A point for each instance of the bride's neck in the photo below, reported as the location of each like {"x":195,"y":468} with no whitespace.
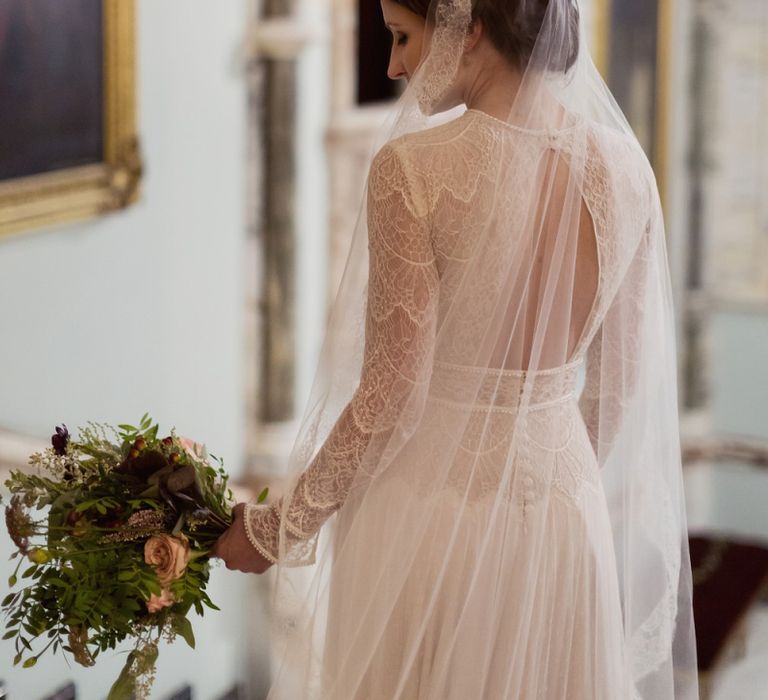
{"x":493,"y":91}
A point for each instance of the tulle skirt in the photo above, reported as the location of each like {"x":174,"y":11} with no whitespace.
{"x":505,"y":597}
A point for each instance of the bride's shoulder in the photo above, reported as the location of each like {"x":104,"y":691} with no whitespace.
{"x":444,"y":137}
{"x":619,"y":156}
{"x":431,"y":159}
{"x":441,"y":134}
{"x":617,"y":147}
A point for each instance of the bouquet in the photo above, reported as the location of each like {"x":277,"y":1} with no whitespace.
{"x":113,"y":533}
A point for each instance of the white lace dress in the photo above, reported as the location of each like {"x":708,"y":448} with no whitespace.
{"x":550,"y":569}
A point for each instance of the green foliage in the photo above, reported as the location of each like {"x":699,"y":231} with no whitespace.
{"x":81,"y":523}
{"x":183,"y":627}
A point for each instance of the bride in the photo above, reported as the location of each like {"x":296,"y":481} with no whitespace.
{"x":491,"y":442}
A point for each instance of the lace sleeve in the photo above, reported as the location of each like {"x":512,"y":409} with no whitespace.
{"x":400,"y":321}
{"x":614,"y":352}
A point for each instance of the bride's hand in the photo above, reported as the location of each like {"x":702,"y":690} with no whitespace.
{"x":235,"y":548}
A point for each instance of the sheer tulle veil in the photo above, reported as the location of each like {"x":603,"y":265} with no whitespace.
{"x":438,"y":364}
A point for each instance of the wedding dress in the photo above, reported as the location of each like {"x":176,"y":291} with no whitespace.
{"x":490,"y":445}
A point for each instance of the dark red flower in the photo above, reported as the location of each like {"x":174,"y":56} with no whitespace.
{"x":60,"y":439}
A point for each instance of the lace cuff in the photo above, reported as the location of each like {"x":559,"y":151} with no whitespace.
{"x":265,"y":521}
{"x":262,"y":527}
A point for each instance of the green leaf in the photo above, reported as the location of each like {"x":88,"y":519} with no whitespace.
{"x":30,"y":662}
{"x":179,"y":524}
{"x":153,"y":585}
{"x":31,"y":570}
{"x":123,"y":688}
{"x":10,"y":634}
{"x":7,"y":600}
{"x":184,"y":627}
{"x":262,"y":495}
{"x":12,"y":581}
{"x":85,"y":505}
{"x":125,"y":576}
{"x":16,"y":659}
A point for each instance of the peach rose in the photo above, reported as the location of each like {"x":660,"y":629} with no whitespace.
{"x":168,"y":555}
{"x":157,"y":603}
{"x":190,"y":446}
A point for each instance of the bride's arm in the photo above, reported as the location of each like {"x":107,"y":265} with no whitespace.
{"x":399,"y":337}
{"x":614,"y":354}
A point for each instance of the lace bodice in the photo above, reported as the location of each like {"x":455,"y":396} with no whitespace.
{"x":428,"y":194}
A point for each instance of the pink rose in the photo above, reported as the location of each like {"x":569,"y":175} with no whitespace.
{"x":168,"y":555}
{"x":190,"y":446}
{"x":157,"y":603}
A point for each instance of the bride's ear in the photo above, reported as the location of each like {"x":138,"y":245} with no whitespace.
{"x":474,"y":32}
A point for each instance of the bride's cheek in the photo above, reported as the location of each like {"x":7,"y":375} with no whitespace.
{"x":415,"y":56}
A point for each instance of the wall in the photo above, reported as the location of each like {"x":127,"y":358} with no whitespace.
{"x":142,"y":310}
{"x":731,"y":497}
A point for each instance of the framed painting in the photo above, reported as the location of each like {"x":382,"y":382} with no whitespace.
{"x":68,"y":142}
{"x":631,"y":45}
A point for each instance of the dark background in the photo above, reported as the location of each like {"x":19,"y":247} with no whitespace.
{"x":51,"y":85}
{"x":634,"y":45}
{"x":373,"y":44}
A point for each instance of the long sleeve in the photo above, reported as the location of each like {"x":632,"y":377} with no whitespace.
{"x":614,"y":354}
{"x":400,"y":319}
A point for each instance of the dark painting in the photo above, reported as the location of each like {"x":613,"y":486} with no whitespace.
{"x":633,"y":65}
{"x":51,"y":85}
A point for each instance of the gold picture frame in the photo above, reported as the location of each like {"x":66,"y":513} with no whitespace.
{"x":60,"y":196}
{"x":665,"y":18}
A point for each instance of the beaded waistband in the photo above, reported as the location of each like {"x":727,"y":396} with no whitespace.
{"x":503,"y":389}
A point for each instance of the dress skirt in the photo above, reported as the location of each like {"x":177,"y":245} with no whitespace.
{"x":479,"y":564}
